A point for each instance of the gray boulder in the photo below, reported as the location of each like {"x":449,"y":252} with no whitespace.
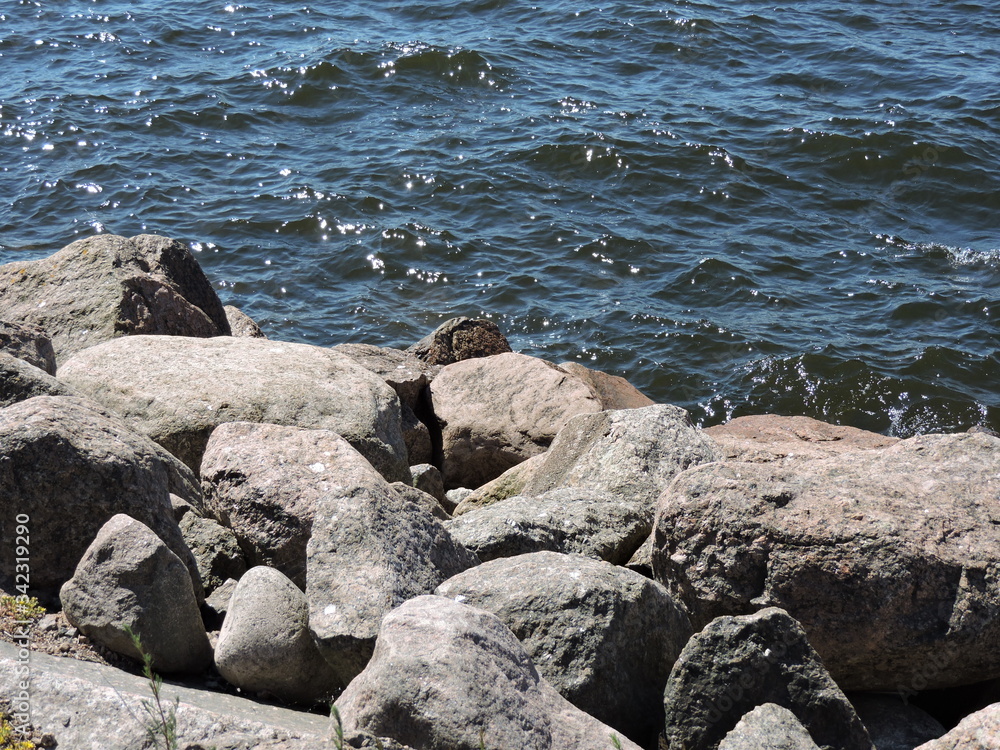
{"x":590,"y":523}
{"x":215,"y":548}
{"x":20,"y":381}
{"x":738,"y":663}
{"x":445,"y":675}
{"x":129,"y":579}
{"x":242,"y":325}
{"x":768,"y":437}
{"x":603,"y":636}
{"x":894,"y":724}
{"x":369,"y":552}
{"x":428,"y":478}
{"x":978,"y":731}
{"x":150,"y":381}
{"x":632,"y":454}
{"x":266,"y":481}
{"x":497,"y":411}
{"x":888,"y":558}
{"x":102,"y":287}
{"x":29,"y":344}
{"x":769,"y":727}
{"x":70,"y":467}
{"x":265,"y":645}
{"x":459,"y":339}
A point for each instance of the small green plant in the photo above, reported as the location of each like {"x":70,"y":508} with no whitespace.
{"x":615,"y":742}
{"x":10,"y":739}
{"x":21,"y":607}
{"x":338,"y":728}
{"x":161,"y":721}
{"x":482,"y":739}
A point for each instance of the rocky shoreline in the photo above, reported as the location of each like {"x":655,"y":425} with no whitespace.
{"x":464,"y":546}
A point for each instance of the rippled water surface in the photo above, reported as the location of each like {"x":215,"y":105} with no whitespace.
{"x":743,"y":207}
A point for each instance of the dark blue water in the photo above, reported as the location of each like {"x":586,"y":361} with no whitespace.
{"x":743,"y":207}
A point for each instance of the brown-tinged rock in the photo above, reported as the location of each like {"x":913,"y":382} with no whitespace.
{"x":615,"y":392}
{"x":497,"y":411}
{"x":459,"y":339}
{"x":888,"y":558}
{"x":768,"y":437}
{"x":978,"y":731}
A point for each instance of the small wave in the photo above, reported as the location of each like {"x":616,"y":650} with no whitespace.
{"x":957,"y":256}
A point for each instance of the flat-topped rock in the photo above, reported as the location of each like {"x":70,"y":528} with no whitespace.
{"x":177,"y":390}
{"x":768,"y":437}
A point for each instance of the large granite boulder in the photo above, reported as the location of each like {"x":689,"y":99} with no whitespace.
{"x":595,"y":524}
{"x":459,"y":339}
{"x":369,"y":552}
{"x":265,"y":644}
{"x":603,"y":636}
{"x":768,"y":437}
{"x":129,"y":582}
{"x":631,"y":454}
{"x":769,"y":727}
{"x":266,"y":481}
{"x":69,"y":467}
{"x":177,"y":390}
{"x":497,"y":411}
{"x":446,"y":675}
{"x":738,"y":663}
{"x":888,"y":558}
{"x":20,"y":381}
{"x":978,"y":731}
{"x":29,"y":344}
{"x":102,"y":287}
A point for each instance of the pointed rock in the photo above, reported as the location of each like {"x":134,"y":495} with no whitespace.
{"x":446,"y":675}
